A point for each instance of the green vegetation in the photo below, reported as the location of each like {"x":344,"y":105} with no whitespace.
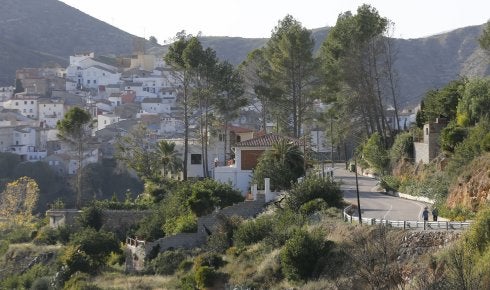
{"x":283,"y":164}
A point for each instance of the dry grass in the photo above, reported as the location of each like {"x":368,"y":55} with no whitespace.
{"x":118,"y":281}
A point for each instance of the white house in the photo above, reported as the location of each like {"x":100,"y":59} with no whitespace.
{"x":6,"y":93}
{"x":51,"y":111}
{"x":95,"y":76}
{"x":170,"y":125}
{"x":115,"y":99}
{"x":25,"y":144}
{"x":104,"y":120}
{"x":26,"y":104}
{"x":157,"y":105}
{"x":247,"y":154}
{"x":79,"y":71}
{"x":6,"y":137}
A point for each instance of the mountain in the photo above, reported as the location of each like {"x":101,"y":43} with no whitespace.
{"x":35,"y":33}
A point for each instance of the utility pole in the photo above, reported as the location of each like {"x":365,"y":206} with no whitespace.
{"x":331,"y":143}
{"x":357,"y":191}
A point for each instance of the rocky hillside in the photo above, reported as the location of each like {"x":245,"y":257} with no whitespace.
{"x":34,"y":33}
{"x":473,"y":187}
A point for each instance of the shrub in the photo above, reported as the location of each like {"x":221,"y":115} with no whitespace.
{"x":208,"y":194}
{"x":46,"y":236}
{"x":222,"y":236}
{"x":313,"y":206}
{"x":252,"y":231}
{"x":451,"y":136}
{"x":374,"y":153}
{"x":79,"y":281}
{"x":42,"y":283}
{"x":166,"y":263}
{"x":284,"y":225}
{"x":188,"y":282}
{"x":312,"y":188}
{"x":88,"y":250}
{"x":402,"y":147}
{"x":204,"y":276}
{"x":209,"y":259}
{"x":92,"y":217}
{"x":389,"y":182}
{"x":300,"y":255}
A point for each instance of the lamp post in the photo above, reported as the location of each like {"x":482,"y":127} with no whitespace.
{"x":357,"y":191}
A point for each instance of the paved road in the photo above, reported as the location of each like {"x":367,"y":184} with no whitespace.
{"x":375,"y":204}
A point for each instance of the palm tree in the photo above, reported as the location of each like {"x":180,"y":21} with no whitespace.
{"x":168,"y":157}
{"x":289,"y":155}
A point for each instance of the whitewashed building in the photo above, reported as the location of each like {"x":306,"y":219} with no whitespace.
{"x":51,"y":111}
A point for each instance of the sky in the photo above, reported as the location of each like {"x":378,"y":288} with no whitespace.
{"x":257,"y":18}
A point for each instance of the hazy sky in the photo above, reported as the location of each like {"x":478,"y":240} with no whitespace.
{"x":256,"y":18}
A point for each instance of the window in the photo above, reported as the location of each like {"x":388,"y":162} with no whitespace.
{"x":88,"y":81}
{"x":95,"y":81}
{"x":30,"y":110}
{"x":16,"y":103}
{"x":25,"y":102}
{"x":32,"y":102}
{"x":196,"y":159}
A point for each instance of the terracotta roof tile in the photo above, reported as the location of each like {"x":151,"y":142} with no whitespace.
{"x":267,"y":141}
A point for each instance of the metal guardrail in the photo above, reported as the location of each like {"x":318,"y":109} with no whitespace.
{"x":407,"y":225}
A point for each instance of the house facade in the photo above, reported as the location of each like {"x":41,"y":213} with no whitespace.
{"x":428,"y":148}
{"x":247,"y":155}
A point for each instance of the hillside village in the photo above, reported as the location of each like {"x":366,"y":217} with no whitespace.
{"x":137,"y":90}
{"x":183,"y":171}
{"x":121,"y":93}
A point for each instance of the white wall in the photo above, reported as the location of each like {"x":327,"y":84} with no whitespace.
{"x":239,"y":179}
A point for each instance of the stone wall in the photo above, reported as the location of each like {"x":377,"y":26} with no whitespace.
{"x":416,"y":243}
{"x":205,"y":226}
{"x":121,"y":220}
{"x":113,"y":220}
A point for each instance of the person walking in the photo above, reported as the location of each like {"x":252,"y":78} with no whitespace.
{"x":435,"y":213}
{"x":425,"y":214}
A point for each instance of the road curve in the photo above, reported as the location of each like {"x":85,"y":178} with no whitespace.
{"x":375,"y":204}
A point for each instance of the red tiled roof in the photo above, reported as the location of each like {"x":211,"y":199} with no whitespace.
{"x":267,"y":141}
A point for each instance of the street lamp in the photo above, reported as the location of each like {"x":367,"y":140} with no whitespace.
{"x":357,"y":190}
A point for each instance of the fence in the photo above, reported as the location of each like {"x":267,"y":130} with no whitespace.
{"x":407,"y":225}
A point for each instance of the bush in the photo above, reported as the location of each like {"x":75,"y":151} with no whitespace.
{"x":284,"y":225}
{"x":252,"y":231}
{"x":312,"y":188}
{"x":300,"y":255}
{"x":374,"y":153}
{"x":313,"y":206}
{"x":210,"y":260}
{"x":389,"y":182}
{"x":166,"y":263}
{"x":204,"y":276}
{"x":46,"y":236}
{"x":92,"y":217}
{"x":42,"y":283}
{"x":79,"y":281}
{"x":208,"y":194}
{"x":402,"y":147}
{"x":88,"y":250}
{"x":222,"y":237}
